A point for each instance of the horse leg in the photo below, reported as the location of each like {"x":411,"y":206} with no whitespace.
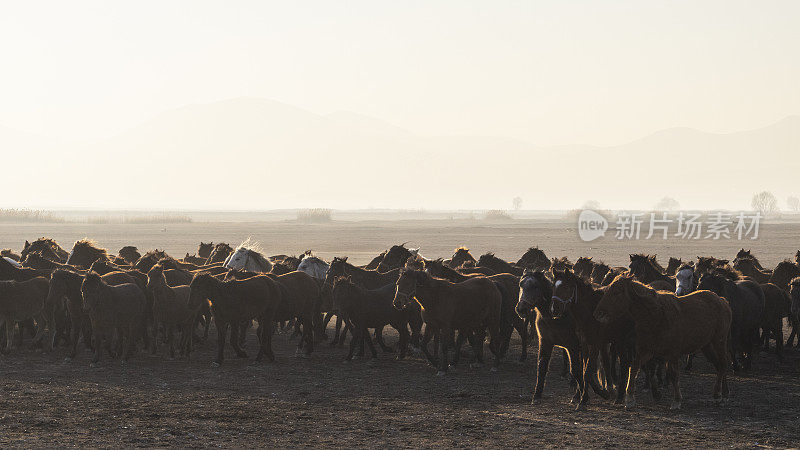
{"x":423,"y":345}
{"x":462,"y":335}
{"x":236,"y":328}
{"x":590,"y":374}
{"x":574,"y":359}
{"x":171,"y":341}
{"x":338,"y":328}
{"x":308,"y":332}
{"x":778,"y":331}
{"x":477,"y":345}
{"x":74,"y":334}
{"x":97,"y":338}
{"x":674,"y":374}
{"x":689,"y":361}
{"x":369,"y":342}
{"x":353,"y":342}
{"x":9,"y":333}
{"x":222,"y":330}
{"x":630,"y":392}
{"x":622,"y":381}
{"x":522,"y":329}
{"x":444,"y":340}
{"x":543,"y":361}
{"x":402,"y":329}
{"x":154,"y":343}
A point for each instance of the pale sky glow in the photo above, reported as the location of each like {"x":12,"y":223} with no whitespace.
{"x":546,"y":73}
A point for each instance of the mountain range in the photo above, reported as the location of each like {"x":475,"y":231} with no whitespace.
{"x":251,"y":153}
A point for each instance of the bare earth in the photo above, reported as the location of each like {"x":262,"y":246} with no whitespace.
{"x":322,"y":400}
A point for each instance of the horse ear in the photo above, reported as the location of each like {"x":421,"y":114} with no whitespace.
{"x":344,"y":259}
{"x":27,"y":244}
{"x":590,"y":258}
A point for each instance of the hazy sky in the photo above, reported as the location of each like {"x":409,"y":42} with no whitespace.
{"x":549,"y":72}
{"x":538,"y":72}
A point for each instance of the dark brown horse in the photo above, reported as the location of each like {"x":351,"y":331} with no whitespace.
{"x":534,"y":259}
{"x":470,"y":307}
{"x":746,"y":299}
{"x":578,"y":298}
{"x":584,"y":267}
{"x":21,"y":301}
{"x":130,"y":254}
{"x":37,"y":261}
{"x":47,"y":248}
{"x":114,"y":309}
{"x":510,"y":321}
{"x":460,"y":256}
{"x":706,"y":264}
{"x":396,"y":257}
{"x":669,"y":327}
{"x":489,"y":260}
{"x":9,"y":271}
{"x":535,"y":300}
{"x":150,"y":259}
{"x":373,"y":264}
{"x":170,"y":311}
{"x":369,"y":308}
{"x":672,"y":266}
{"x":204,"y":250}
{"x":84,"y":253}
{"x":220,"y":253}
{"x":646,"y":270}
{"x":67,"y":284}
{"x":749,"y":267}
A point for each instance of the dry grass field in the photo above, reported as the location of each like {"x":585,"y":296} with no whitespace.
{"x":323,"y":401}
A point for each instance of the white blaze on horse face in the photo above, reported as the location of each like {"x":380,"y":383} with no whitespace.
{"x":558,"y":284}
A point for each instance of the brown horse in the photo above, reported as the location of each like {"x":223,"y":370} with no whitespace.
{"x":196,"y":260}
{"x":578,"y":298}
{"x":535,"y":300}
{"x":67,"y":284}
{"x":584,"y":267}
{"x":672,"y":266}
{"x":510,"y":321}
{"x":47,"y":248}
{"x":22,"y":301}
{"x":746,"y":300}
{"x":150,"y":259}
{"x":706,"y":264}
{"x":373,"y":264}
{"x":776,"y":306}
{"x":369,"y":308}
{"x":85,"y":252}
{"x":749,"y":267}
{"x":220,"y":253}
{"x":204,"y":250}
{"x":560,"y":264}
{"x":37,"y":261}
{"x":234,"y":302}
{"x":396,"y":257}
{"x":170,"y":310}
{"x":460,"y":256}
{"x":489,"y":260}
{"x":534,"y":259}
{"x":784,"y":272}
{"x":646,"y":270}
{"x":9,"y":271}
{"x":114,"y":309}
{"x":470,"y":307}
{"x":746,"y":254}
{"x":130,"y":254}
{"x":794,"y":310}
{"x":669,"y":327}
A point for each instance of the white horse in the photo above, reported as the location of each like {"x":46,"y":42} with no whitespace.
{"x":313,"y":266}
{"x":248,"y":256}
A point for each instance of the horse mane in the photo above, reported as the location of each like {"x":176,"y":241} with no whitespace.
{"x":90,"y":245}
{"x":415,"y":262}
{"x":92,"y":277}
{"x":795,"y":282}
{"x":684,"y":266}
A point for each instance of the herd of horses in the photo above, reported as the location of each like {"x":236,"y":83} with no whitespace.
{"x":612,"y":322}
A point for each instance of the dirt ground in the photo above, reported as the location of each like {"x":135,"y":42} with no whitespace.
{"x":322,"y":400}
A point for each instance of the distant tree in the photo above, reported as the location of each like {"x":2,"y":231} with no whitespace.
{"x":667,"y":204}
{"x":517,"y":202}
{"x":794,"y":203}
{"x":764,"y":202}
{"x":591,"y":204}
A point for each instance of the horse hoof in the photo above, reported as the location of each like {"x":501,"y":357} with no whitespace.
{"x":215,"y":364}
{"x":581,"y":406}
{"x":441,"y":373}
{"x":93,"y":365}
{"x":675,"y":405}
{"x":493,"y":369}
{"x":475,"y":365}
{"x":630,"y":404}
{"x":67,"y":359}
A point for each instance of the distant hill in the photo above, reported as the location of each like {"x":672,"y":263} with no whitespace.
{"x":253,"y":153}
